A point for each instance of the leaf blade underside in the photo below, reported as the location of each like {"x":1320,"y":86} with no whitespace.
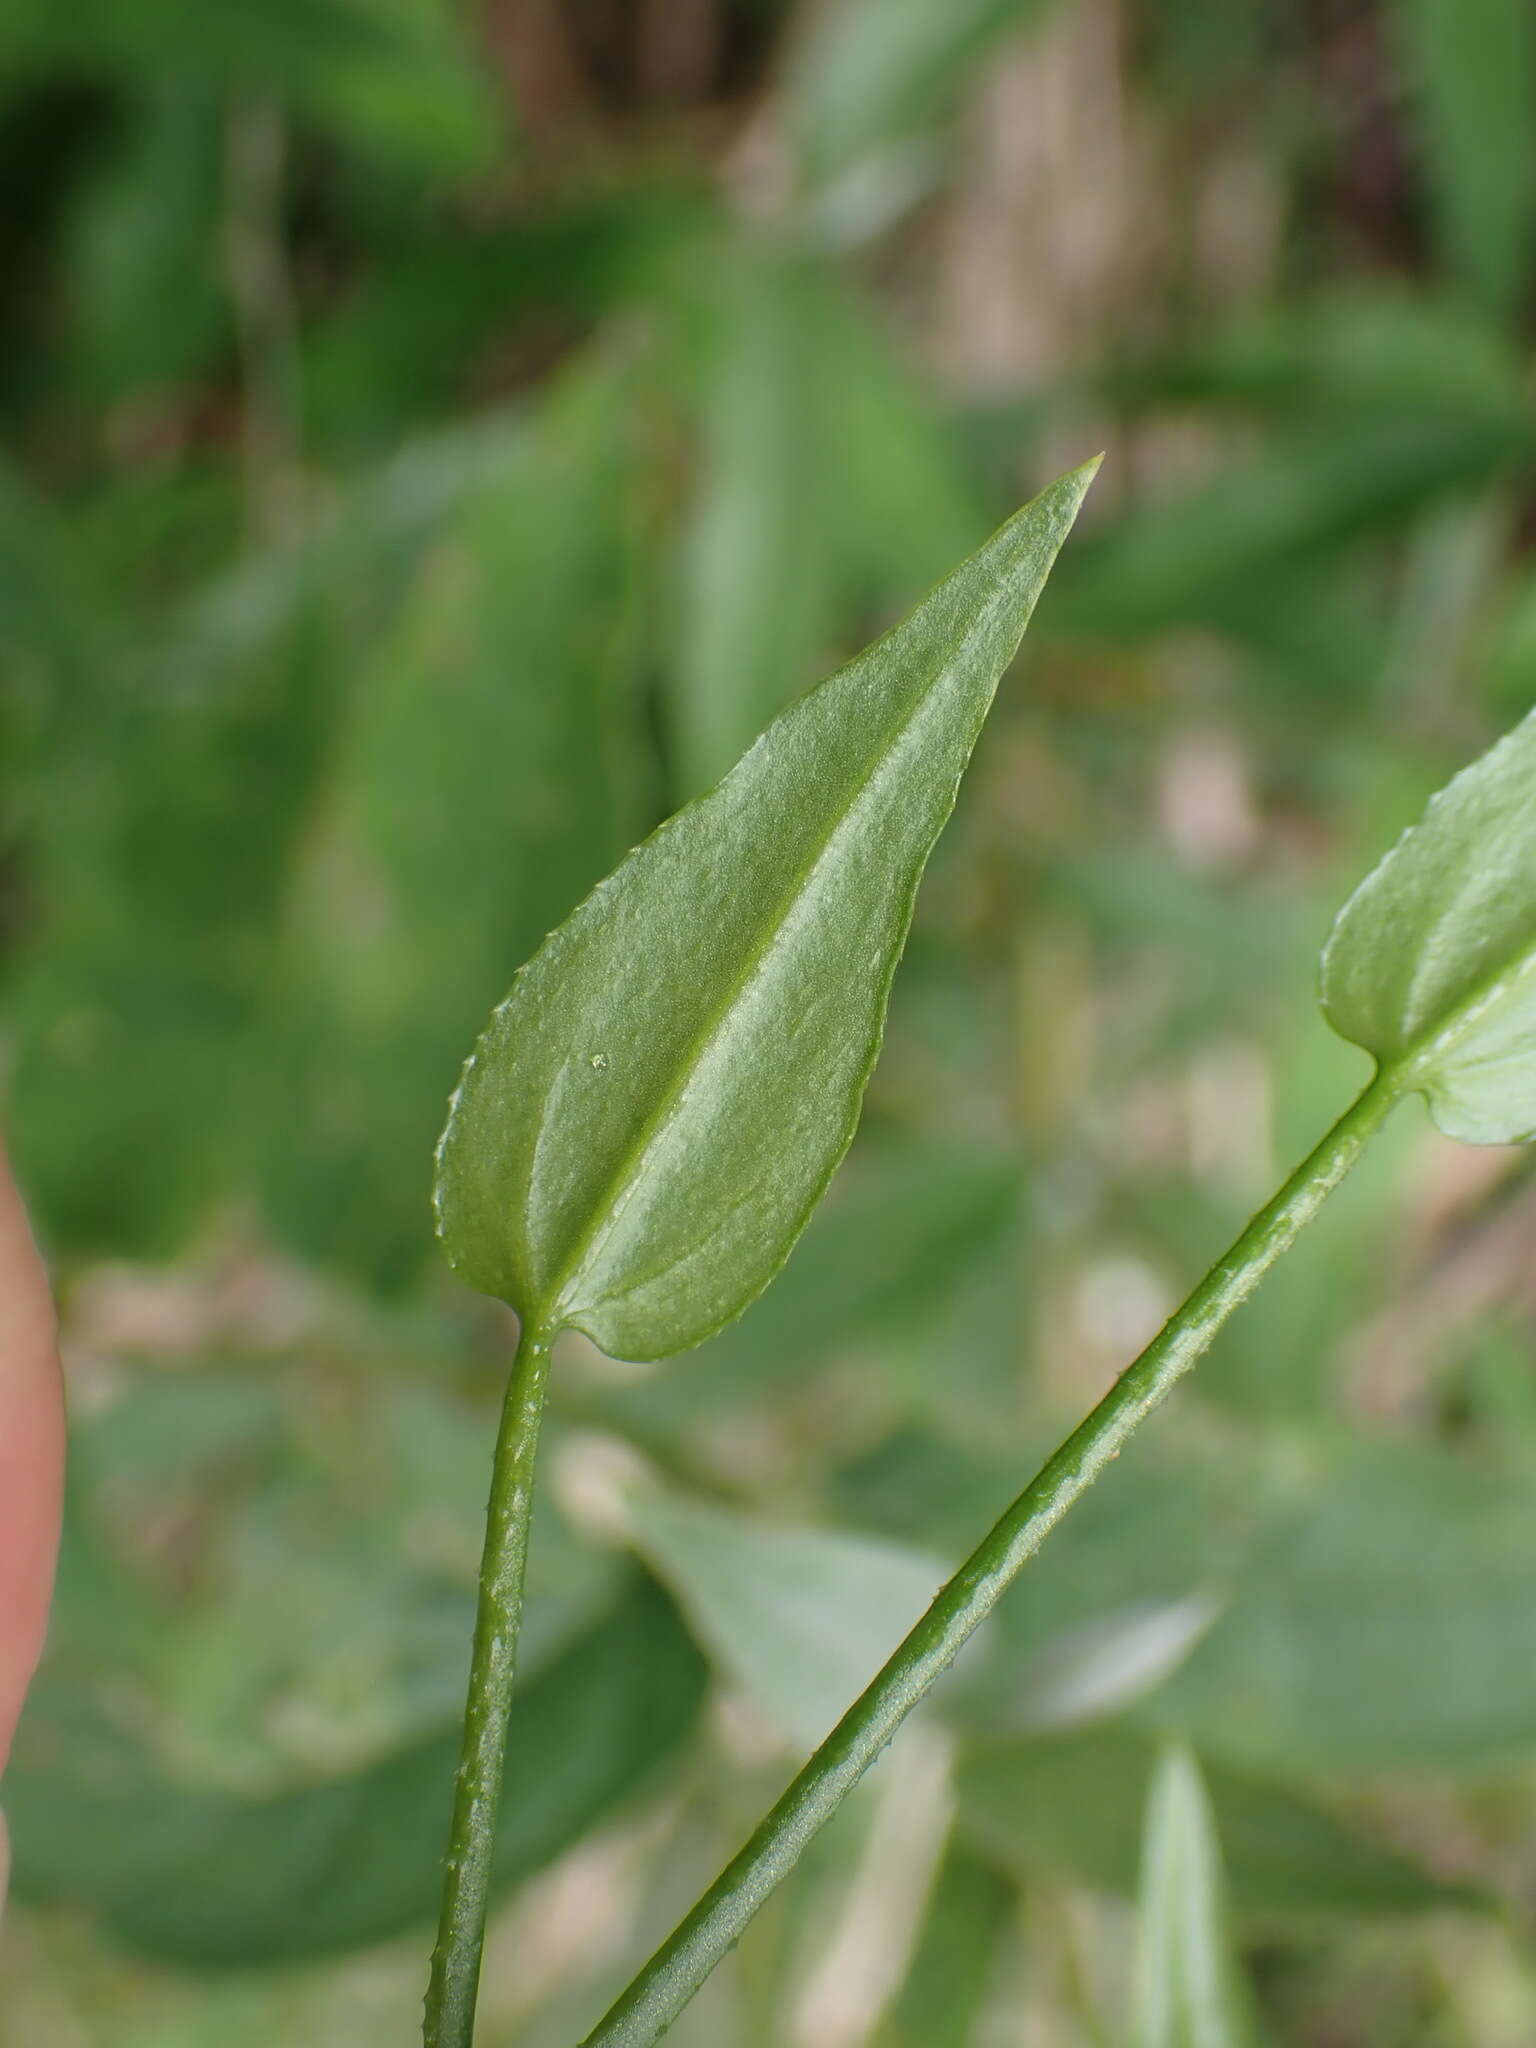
{"x":1431,"y":965}
{"x":652,"y":1114}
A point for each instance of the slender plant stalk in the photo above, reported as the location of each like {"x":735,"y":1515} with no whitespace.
{"x":667,"y":1982}
{"x":455,"y":1980}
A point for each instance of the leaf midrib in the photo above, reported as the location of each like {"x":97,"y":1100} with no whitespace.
{"x":625,"y":1181}
{"x":1442,"y":1038}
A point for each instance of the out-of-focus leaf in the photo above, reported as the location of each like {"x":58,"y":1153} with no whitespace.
{"x":903,"y":501}
{"x":160,"y":855}
{"x":398,"y":350}
{"x":870,"y":71}
{"x":207,"y":1878}
{"x":477,"y":784}
{"x":1432,"y":963}
{"x":1207,"y":557}
{"x":948,"y":1985}
{"x":802,"y":1619}
{"x":1471,"y":67}
{"x":1189,"y":1985}
{"x":328,"y":1619}
{"x":367,"y":547}
{"x":900,"y":1232}
{"x":1394,"y":1625}
{"x":393,"y":78}
{"x":148,"y":234}
{"x":288,"y":36}
{"x":1104,"y":1667}
{"x":1508,"y":658}
{"x":756,"y":584}
{"x":1159,"y":1539}
{"x":52,"y":611}
{"x":820,"y":477}
{"x":1070,"y":1805}
{"x":657,"y":1107}
{"x":1361,"y":348}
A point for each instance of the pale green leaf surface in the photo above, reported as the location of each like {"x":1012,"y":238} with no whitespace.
{"x":1432,"y":963}
{"x":652,"y":1114}
{"x":1390,"y":1626}
{"x":1104,"y":1666}
{"x":801,"y":1619}
{"x":1189,"y":1990}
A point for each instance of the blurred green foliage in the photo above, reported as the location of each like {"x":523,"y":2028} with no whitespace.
{"x":435,"y":440}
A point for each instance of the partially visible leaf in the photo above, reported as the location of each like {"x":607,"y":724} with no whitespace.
{"x":904,"y":502}
{"x":149,"y":230}
{"x":398,"y":80}
{"x":1432,"y":963}
{"x":1138,"y":1569}
{"x":325,"y":1625}
{"x":1358,"y":349}
{"x":1103,"y":1667}
{"x":802,"y":1619}
{"x":756,"y":582}
{"x":1392,"y":1625}
{"x":160,"y":856}
{"x":896,"y":1239}
{"x":466,"y":806}
{"x":1471,"y":68}
{"x":948,"y":1984}
{"x":657,"y":1107}
{"x":870,"y":71}
{"x":283,"y":41}
{"x":208,"y":1878}
{"x":1189,"y":1986}
{"x":1069,"y":1805}
{"x":1211,"y":555}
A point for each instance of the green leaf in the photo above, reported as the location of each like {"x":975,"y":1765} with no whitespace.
{"x":467,"y":805}
{"x":143,"y":233}
{"x":904,"y":499}
{"x":1432,"y":963}
{"x":801,"y":1618}
{"x":209,"y":1878}
{"x":1067,"y":1805}
{"x":1138,"y":1570}
{"x":657,"y":1107}
{"x":888,"y":1253}
{"x":397,"y":81}
{"x":1472,"y":68}
{"x":1189,"y":1991}
{"x":946,"y":1989}
{"x":1393,"y":1626}
{"x":756,"y":584}
{"x":160,"y":854}
{"x":1211,"y":555}
{"x":870,"y":71}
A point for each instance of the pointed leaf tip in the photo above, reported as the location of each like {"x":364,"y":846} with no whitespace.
{"x":651,"y":1116}
{"x":1189,"y":1987}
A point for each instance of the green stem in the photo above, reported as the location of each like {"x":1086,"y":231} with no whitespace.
{"x":667,"y":1982}
{"x":450,"y":2010}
